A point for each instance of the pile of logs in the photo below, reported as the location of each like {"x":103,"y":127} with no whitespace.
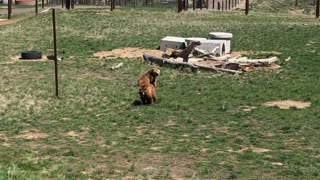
{"x":200,"y":59}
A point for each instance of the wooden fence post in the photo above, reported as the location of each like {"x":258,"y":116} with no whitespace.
{"x":68,"y":4}
{"x":247,"y":7}
{"x":194,"y":4}
{"x":318,"y":8}
{"x":36,"y":6}
{"x":9,"y":9}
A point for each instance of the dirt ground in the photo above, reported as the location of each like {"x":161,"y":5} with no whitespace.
{"x":138,"y":52}
{"x":287,"y":104}
{"x":127,"y":53}
{"x":12,"y":21}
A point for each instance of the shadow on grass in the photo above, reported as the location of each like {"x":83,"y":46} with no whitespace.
{"x":137,"y":103}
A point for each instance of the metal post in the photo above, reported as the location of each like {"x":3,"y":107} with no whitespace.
{"x":247,"y":7}
{"x":55,"y":52}
{"x":296,"y":3}
{"x":42,"y":4}
{"x":200,"y":4}
{"x":72,"y":4}
{"x":318,"y":8}
{"x":179,"y":6}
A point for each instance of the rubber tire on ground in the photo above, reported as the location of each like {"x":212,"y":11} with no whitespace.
{"x":31,"y":55}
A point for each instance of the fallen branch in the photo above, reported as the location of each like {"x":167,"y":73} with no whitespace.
{"x":253,"y":61}
{"x":221,"y":58}
{"x":117,"y":66}
{"x":219,"y":69}
{"x":162,"y":61}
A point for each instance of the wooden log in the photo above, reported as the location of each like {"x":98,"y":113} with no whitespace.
{"x":221,"y":58}
{"x":213,"y":68}
{"x":249,"y":61}
{"x":163,"y":61}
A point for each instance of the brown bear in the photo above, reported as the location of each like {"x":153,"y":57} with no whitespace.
{"x":147,"y":83}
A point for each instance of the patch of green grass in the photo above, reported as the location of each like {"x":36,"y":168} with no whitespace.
{"x":197,"y":129}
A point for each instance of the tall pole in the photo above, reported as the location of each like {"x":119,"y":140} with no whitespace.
{"x":42,"y":4}
{"x":247,"y":7}
{"x":296,"y":4}
{"x":55,"y":52}
{"x":318,"y":8}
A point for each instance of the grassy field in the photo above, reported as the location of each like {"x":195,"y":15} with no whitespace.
{"x":200,"y":127}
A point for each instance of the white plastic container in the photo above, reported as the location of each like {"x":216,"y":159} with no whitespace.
{"x":172,"y":42}
{"x":212,"y":46}
{"x":188,"y":40}
{"x":223,"y":38}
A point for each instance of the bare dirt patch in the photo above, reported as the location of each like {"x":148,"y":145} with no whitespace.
{"x":247,"y":108}
{"x":287,"y":104}
{"x":4,"y":139}
{"x":3,"y":104}
{"x":253,"y":149}
{"x":18,"y":58}
{"x":12,"y":21}
{"x":75,"y":134}
{"x":127,"y":53}
{"x":31,"y":134}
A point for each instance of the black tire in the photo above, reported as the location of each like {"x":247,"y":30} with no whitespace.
{"x":31,"y":55}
